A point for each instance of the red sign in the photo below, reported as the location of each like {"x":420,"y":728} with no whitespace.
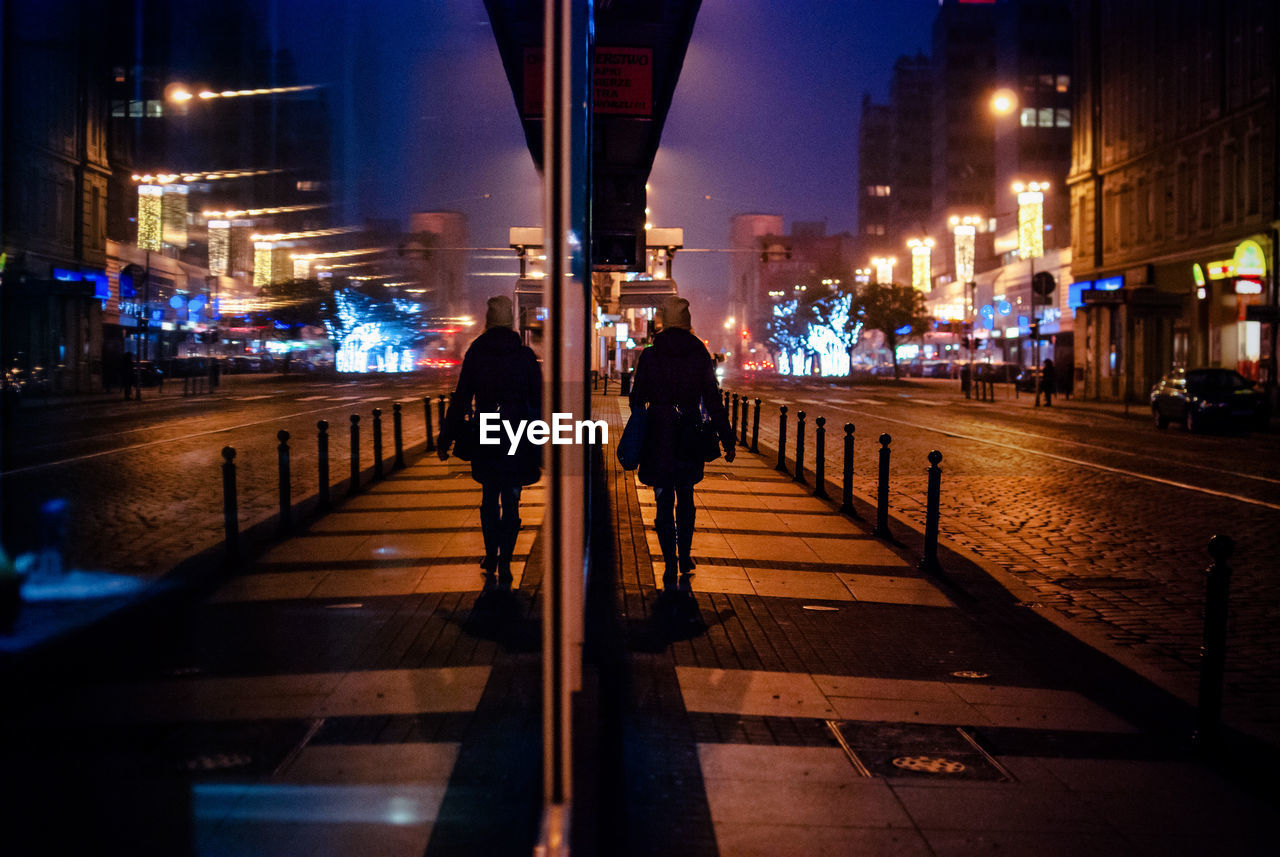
{"x":623,"y":82}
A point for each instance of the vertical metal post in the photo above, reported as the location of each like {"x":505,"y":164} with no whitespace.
{"x":733,"y":415}
{"x":322,"y":459}
{"x":782,"y":439}
{"x":397,"y":434}
{"x":882,"y":490}
{"x":230,"y":508}
{"x":440,"y":406}
{"x":286,"y":489}
{"x":1213,"y":652}
{"x":820,"y":458}
{"x":746,"y":407}
{"x":431,"y":434}
{"x":799,"y":474}
{"x":929,"y":562}
{"x":755,"y":429}
{"x":377,"y":443}
{"x":726,"y":400}
{"x":354,"y":487}
{"x":846,"y":497}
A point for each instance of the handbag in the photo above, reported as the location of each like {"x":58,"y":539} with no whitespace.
{"x":697,"y":439}
{"x":632,"y":440}
{"x":467,"y":443}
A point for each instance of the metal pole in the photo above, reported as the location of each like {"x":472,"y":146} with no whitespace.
{"x":746,"y":407}
{"x":726,"y":400}
{"x":431,"y":435}
{"x":755,"y":429}
{"x":782,"y":439}
{"x":322,"y":457}
{"x":820,"y":458}
{"x":355,"y":455}
{"x":230,"y":509}
{"x":846,"y":499}
{"x":286,"y":493}
{"x":1213,"y":653}
{"x":440,"y":406}
{"x":882,"y":490}
{"x":733,"y":415}
{"x":931,"y":515}
{"x":799,"y":474}
{"x":397,"y":434}
{"x":377,"y":443}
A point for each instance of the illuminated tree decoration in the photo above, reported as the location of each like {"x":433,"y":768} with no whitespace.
{"x":301,"y":268}
{"x":965,"y":230}
{"x":150,"y":206}
{"x":219,"y":247}
{"x":921,"y":256}
{"x":1030,"y":218}
{"x":374,"y":335}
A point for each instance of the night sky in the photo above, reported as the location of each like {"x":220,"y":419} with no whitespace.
{"x":765,"y":115}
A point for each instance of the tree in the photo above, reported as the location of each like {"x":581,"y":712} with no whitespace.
{"x":786,"y":333}
{"x":898,"y":312}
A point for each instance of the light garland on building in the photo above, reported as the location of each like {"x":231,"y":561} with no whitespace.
{"x":1030,"y":218}
{"x":921,"y":262}
{"x":219,"y":246}
{"x":965,"y":229}
{"x":174,"y":215}
{"x":150,"y":211}
{"x":884,"y":268}
{"x":263,"y":263}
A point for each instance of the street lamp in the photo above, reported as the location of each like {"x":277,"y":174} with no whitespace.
{"x":964,"y":230}
{"x":884,"y":268}
{"x":1031,"y":245}
{"x":1003,"y":102}
{"x":921,"y":258}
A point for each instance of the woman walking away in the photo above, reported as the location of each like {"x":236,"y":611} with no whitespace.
{"x":499,"y":375}
{"x":676,"y":379}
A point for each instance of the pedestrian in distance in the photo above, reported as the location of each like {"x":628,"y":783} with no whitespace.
{"x":1048,"y":383}
{"x":126,"y":374}
{"x":675,"y":380}
{"x":499,"y":375}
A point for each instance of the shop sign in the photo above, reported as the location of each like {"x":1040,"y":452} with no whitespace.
{"x":1249,"y":260}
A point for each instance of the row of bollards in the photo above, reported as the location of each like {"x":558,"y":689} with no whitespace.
{"x":1217,"y":577}
{"x":284,"y":521}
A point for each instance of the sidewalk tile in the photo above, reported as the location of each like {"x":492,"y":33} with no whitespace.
{"x":744,"y":839}
{"x":752,"y":692}
{"x":1006,"y":807}
{"x":854,"y":551}
{"x":780,"y":583}
{"x":864,"y":803}
{"x":372,"y":764}
{"x":406,"y":691}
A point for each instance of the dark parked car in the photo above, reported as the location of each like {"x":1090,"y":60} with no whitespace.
{"x":1199,"y":398}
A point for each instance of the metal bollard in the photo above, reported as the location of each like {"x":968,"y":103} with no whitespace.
{"x":286,"y":489}
{"x":799,"y":474}
{"x":746,"y":407}
{"x":755,"y":429}
{"x":726,"y":400}
{"x":929,"y":562}
{"x":397,"y":434}
{"x":733,"y":415}
{"x":377,"y":443}
{"x":230,"y":509}
{"x":322,"y":458}
{"x":440,"y":406}
{"x":606,"y":386}
{"x":1213,"y":652}
{"x":782,"y":439}
{"x":882,"y":491}
{"x":431,"y":439}
{"x":820,"y":458}
{"x":846,"y":498}
{"x":355,"y":455}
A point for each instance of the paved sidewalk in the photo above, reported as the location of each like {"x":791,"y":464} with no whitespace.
{"x":356,"y":691}
{"x":833,"y":700}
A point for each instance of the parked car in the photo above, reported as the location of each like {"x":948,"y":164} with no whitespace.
{"x":1200,"y":398}
{"x":938,"y":369}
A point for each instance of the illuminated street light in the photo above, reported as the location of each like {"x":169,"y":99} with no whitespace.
{"x":728,"y":323}
{"x":921,"y":257}
{"x":884,"y":268}
{"x":964,"y":229}
{"x":1003,"y":102}
{"x":1030,"y":218}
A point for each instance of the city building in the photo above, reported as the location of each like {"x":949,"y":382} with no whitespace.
{"x":1173,"y":191}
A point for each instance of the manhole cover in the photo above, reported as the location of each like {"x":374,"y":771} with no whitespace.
{"x":970,"y":674}
{"x":929,"y":764}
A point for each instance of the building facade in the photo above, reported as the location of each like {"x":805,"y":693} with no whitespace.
{"x":1173,"y":190}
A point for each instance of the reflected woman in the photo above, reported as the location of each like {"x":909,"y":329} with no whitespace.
{"x":499,"y":375}
{"x":676,"y":380}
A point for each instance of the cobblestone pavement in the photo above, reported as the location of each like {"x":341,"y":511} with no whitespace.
{"x":144,"y":479}
{"x":1078,"y":503}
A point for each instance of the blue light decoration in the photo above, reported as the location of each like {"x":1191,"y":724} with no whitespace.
{"x":1004,"y":307}
{"x":903,"y":331}
{"x":1110,"y":284}
{"x":827,"y":340}
{"x":177,"y":302}
{"x":374,"y":335}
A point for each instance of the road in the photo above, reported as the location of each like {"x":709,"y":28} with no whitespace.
{"x":1105,"y":517}
{"x":144,"y":479}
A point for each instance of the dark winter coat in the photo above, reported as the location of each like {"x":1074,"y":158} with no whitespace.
{"x":499,"y":375}
{"x":674,"y":377}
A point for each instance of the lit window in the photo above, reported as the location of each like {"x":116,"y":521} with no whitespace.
{"x":1046,"y":117}
{"x":875,"y":228}
{"x":155,"y":108}
{"x":1064,"y":82}
{"x":135,"y":109}
{"x":1063,"y":119}
{"x":1046,"y":80}
{"x":1027,"y":119}
{"x":878,"y":190}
